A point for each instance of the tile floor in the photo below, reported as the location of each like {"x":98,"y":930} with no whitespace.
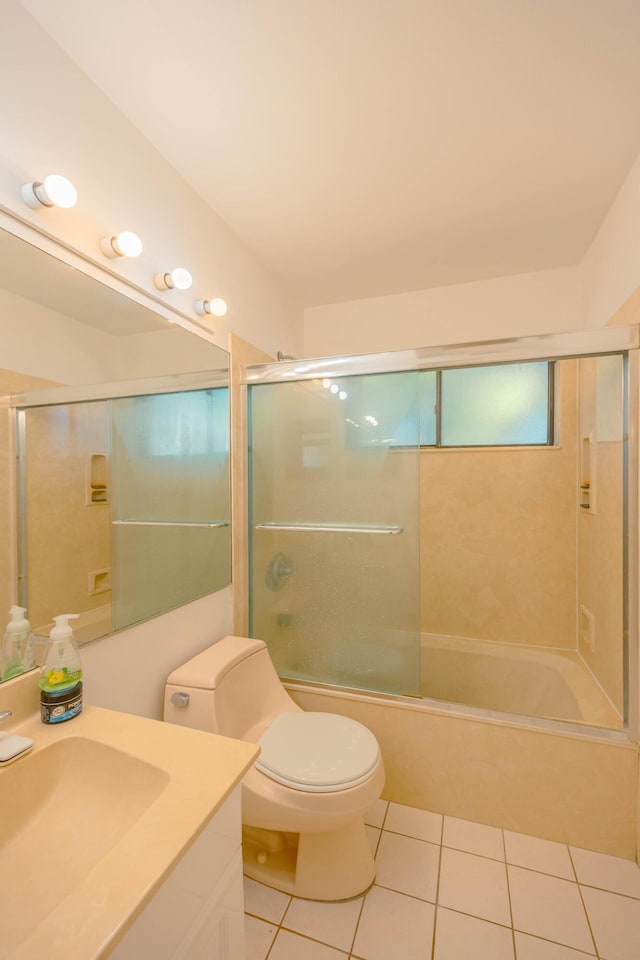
{"x":449,"y":889}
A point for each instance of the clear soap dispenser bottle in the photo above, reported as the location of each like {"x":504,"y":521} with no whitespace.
{"x":61,"y":674}
{"x":17,"y":651}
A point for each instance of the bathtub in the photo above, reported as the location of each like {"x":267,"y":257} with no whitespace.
{"x":481,"y":740}
{"x":514,"y":679}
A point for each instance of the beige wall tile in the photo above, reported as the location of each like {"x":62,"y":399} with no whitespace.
{"x":498,"y":532}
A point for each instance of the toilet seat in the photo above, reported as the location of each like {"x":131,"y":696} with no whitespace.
{"x":317,"y":752}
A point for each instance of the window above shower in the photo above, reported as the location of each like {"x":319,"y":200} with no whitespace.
{"x":507,"y":404}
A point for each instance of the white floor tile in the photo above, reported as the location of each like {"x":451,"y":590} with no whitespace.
{"x":393,"y":926}
{"x":412,"y":822}
{"x":458,"y":935}
{"x":375,"y":815}
{"x":532,"y":948}
{"x":478,"y":895}
{"x":332,"y":923}
{"x":258,"y":936}
{"x":473,"y":838}
{"x":264,"y":902}
{"x":607,"y":873}
{"x":474,"y":885}
{"x":549,"y":907}
{"x":615,"y":921}
{"x":542,"y":855}
{"x":290,"y":946}
{"x":407,"y":865}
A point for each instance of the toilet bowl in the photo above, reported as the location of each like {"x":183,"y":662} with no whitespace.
{"x":304,"y":800}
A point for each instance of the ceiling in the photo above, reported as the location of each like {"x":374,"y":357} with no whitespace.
{"x":371,"y":147}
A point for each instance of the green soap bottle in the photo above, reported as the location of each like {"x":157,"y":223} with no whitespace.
{"x":61,"y":674}
{"x":61,"y":669}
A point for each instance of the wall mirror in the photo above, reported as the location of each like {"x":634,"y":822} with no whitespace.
{"x":120,"y":419}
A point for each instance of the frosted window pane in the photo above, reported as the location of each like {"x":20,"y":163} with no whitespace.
{"x":506,"y":404}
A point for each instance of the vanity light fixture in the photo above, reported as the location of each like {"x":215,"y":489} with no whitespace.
{"x":178,"y":279}
{"x":53,"y":191}
{"x":217,"y":307}
{"x":125,"y":244}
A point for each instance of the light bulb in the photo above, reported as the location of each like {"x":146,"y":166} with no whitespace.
{"x":334,"y":388}
{"x":178,"y":278}
{"x":342,"y":395}
{"x":217,"y":307}
{"x":53,"y":191}
{"x":125,"y":244}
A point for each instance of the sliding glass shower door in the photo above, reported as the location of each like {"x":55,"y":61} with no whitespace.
{"x":334,"y":542}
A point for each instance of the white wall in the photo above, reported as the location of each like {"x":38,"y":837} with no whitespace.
{"x":53,"y":119}
{"x":611,"y":266}
{"x":128,"y":670}
{"x":573,"y":298}
{"x":544,"y":302}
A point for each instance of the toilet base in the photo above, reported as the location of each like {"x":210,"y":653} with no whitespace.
{"x":336,"y":865}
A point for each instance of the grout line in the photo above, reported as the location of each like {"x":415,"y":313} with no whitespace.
{"x":556,"y":943}
{"x":435,"y":909}
{"x":584,"y":906}
{"x":506,"y":870}
{"x":355,"y":929}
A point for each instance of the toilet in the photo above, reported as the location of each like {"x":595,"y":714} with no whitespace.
{"x":304,"y":800}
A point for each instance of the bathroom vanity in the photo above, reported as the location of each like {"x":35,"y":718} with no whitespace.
{"x":120,"y":837}
{"x":198,"y":912}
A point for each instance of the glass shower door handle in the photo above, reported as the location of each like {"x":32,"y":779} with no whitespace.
{"x":330,"y":527}
{"x":170,"y":523}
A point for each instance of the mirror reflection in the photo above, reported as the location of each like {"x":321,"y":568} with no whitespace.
{"x":94,"y":472}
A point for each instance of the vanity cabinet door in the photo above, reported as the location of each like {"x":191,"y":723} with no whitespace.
{"x":198,"y":912}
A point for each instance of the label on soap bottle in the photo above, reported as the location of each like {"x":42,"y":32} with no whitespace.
{"x":62,"y":706}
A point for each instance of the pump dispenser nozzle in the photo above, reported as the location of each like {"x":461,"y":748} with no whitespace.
{"x":62,"y":628}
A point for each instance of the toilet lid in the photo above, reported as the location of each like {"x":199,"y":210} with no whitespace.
{"x":317,"y":752}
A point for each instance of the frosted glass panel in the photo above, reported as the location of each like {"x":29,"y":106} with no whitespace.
{"x":170,"y":516}
{"x":334,"y":529}
{"x":495,"y":405}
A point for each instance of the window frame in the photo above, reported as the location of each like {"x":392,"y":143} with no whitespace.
{"x":551,"y":418}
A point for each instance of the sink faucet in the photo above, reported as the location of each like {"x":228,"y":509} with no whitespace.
{"x":4,"y":714}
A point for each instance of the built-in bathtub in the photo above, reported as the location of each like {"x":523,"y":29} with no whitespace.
{"x":514,"y":679}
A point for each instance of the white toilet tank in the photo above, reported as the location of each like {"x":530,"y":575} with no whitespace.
{"x":231,"y":688}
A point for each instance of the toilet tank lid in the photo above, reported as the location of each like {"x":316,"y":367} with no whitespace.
{"x":206,"y":670}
